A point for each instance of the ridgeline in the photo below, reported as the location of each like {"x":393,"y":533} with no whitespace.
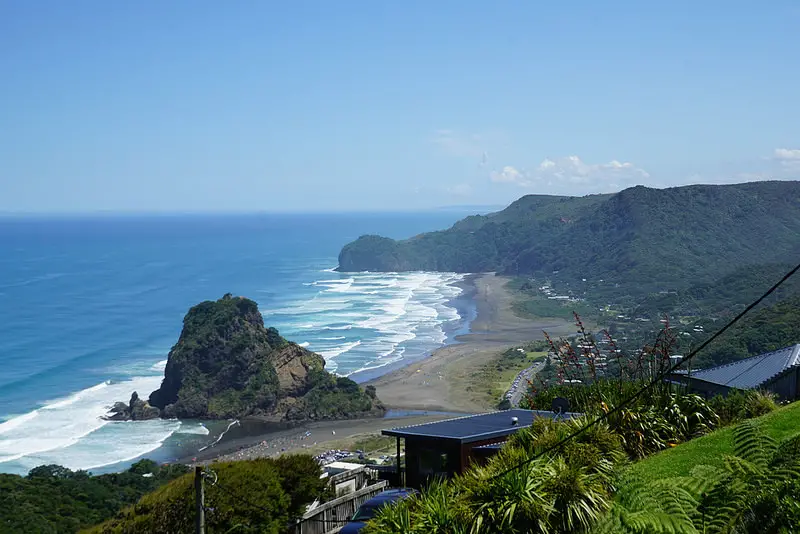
{"x":639,"y":238}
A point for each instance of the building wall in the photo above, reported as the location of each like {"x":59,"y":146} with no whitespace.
{"x":468,"y":457}
{"x":427,"y":458}
{"x":707,"y":389}
{"x":785,"y":386}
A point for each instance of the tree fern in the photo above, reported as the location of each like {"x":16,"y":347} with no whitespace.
{"x":752,"y":444}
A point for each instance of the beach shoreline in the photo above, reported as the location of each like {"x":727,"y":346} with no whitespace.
{"x":431,"y":387}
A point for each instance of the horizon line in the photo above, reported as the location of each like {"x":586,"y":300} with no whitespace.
{"x":180,"y":213}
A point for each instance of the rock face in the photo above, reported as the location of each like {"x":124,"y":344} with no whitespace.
{"x":136,"y":410}
{"x":226,"y":364}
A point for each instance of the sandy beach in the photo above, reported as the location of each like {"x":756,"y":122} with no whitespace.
{"x":435,"y":383}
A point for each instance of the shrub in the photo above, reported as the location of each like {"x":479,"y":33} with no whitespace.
{"x":53,"y":498}
{"x":565,"y":491}
{"x":250,"y":496}
{"x":739,"y":405}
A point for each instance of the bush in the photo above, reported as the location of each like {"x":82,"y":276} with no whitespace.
{"x":250,"y":496}
{"x":562,"y":492}
{"x":54,"y":499}
{"x":739,"y":405}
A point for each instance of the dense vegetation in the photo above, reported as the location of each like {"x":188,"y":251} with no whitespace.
{"x":249,"y":496}
{"x":770,"y":328}
{"x":639,"y":237}
{"x":724,"y":297}
{"x":564,"y":492}
{"x":227,"y":364}
{"x":755,"y":490}
{"x":597,"y":481}
{"x":54,"y":499}
{"x":588,"y":484}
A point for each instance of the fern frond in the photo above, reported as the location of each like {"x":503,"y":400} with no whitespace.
{"x":788,"y":452}
{"x":743,"y":469}
{"x":752,"y":444}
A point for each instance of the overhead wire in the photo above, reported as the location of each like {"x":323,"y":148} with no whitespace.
{"x":657,"y":380}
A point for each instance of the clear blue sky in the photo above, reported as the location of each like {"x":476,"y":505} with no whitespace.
{"x":321,"y":106}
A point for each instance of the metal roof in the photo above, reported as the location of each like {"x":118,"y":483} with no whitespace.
{"x":753,"y":372}
{"x":473,"y":428}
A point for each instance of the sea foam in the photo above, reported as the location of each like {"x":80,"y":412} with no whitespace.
{"x":381,"y":317}
{"x":44,"y":435}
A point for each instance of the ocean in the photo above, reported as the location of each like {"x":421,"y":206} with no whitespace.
{"x":90,"y":306}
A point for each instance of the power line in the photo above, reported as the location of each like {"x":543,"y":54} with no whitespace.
{"x":658,"y":379}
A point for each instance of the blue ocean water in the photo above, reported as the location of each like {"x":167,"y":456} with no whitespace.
{"x":89,"y":308}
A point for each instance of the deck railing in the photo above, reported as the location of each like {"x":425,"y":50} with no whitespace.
{"x":331,"y":516}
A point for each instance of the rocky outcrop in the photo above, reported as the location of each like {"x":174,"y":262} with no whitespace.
{"x":227,"y":364}
{"x":136,"y":410}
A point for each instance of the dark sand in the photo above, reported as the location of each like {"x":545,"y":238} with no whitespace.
{"x":433,"y":384}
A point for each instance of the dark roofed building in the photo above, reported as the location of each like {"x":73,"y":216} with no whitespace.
{"x":448,"y":447}
{"x":777,"y":371}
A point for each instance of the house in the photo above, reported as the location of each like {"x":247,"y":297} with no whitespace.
{"x":446,"y":448}
{"x":777,"y":371}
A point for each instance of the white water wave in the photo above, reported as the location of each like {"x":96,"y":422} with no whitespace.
{"x":46,"y":433}
{"x":379,"y":314}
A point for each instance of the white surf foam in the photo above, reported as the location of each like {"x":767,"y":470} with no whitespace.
{"x":198,"y":428}
{"x":390,"y":311}
{"x":115,"y":442}
{"x":341,"y":349}
{"x":45,"y":433}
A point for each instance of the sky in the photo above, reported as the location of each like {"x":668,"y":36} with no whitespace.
{"x":178,"y":106}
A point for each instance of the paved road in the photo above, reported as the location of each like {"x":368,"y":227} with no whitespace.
{"x":522,"y":384}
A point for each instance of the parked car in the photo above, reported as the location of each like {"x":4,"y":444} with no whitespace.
{"x":368,"y":510}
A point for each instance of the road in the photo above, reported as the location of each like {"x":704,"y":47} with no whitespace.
{"x":522,"y":384}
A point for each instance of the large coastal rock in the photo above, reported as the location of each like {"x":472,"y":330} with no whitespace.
{"x":136,"y":410}
{"x":226,"y":364}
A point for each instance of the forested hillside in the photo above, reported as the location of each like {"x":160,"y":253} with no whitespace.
{"x":767,"y":329}
{"x":640,"y":237}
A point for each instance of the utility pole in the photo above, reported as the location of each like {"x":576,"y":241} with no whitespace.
{"x":199,"y":502}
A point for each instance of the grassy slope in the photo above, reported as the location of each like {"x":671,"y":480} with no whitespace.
{"x":490,"y":381}
{"x":711,"y":449}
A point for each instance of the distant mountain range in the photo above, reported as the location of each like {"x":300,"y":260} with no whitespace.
{"x":640,"y":237}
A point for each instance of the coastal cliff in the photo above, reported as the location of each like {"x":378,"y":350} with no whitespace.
{"x":227,"y":364}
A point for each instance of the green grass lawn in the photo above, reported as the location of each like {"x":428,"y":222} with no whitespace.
{"x":712,"y":448}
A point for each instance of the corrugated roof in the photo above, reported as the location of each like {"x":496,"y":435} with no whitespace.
{"x":753,"y":372}
{"x":472,"y":428}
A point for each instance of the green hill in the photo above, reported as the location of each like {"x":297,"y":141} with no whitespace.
{"x":721,"y":298}
{"x":766,"y":329}
{"x":639,"y":238}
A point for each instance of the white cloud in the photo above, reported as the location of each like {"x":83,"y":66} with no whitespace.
{"x":788,"y":162}
{"x":569,"y":172}
{"x":574,"y":170}
{"x":509,"y":175}
{"x":786,"y":154}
